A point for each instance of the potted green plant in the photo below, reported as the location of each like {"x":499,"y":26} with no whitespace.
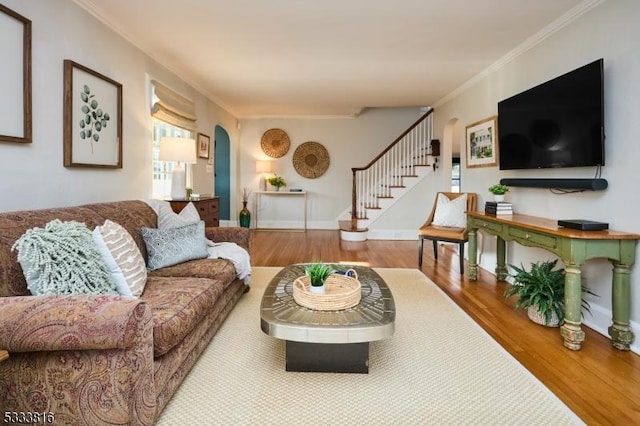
{"x":541,"y":291}
{"x":277,"y":182}
{"x":498,"y":190}
{"x":317,"y":273}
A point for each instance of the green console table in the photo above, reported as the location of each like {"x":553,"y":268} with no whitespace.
{"x":574,"y":248}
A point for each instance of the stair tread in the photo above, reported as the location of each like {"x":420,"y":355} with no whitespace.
{"x":348,"y":229}
{"x":345,"y":225}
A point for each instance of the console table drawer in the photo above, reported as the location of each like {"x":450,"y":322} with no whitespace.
{"x":496,"y":227}
{"x":536,"y":239}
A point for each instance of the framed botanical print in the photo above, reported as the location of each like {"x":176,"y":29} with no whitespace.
{"x":92,"y":118}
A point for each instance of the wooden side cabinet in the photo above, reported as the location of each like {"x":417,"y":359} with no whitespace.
{"x":208,"y":207}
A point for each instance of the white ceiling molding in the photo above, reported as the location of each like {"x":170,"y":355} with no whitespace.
{"x":527,"y":45}
{"x":303,"y":59}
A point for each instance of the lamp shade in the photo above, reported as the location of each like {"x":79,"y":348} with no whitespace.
{"x":263,"y":166}
{"x":182,"y":150}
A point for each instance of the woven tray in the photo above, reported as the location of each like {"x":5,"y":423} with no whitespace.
{"x":340,"y":292}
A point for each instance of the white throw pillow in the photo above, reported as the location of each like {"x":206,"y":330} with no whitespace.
{"x":167,"y":218}
{"x":451,"y":213}
{"x":123,"y":258}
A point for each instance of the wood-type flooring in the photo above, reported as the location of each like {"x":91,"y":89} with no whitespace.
{"x":599,"y":383}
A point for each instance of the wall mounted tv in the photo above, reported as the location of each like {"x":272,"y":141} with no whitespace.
{"x":559,"y":123}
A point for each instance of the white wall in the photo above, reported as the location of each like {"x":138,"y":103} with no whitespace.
{"x":32,"y":175}
{"x":350,"y":143}
{"x":609,"y":31}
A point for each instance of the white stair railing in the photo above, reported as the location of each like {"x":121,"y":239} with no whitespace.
{"x":376,"y":180}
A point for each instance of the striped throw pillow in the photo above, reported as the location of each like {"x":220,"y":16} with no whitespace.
{"x":123,"y":258}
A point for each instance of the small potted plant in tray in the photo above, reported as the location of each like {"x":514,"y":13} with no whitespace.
{"x":498,"y":190}
{"x":317,"y":273}
{"x":277,"y":182}
{"x":541,"y":291}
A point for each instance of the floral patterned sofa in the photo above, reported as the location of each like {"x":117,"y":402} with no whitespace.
{"x":108,"y":359}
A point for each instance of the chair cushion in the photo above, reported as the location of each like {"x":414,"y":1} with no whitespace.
{"x":451,"y":213}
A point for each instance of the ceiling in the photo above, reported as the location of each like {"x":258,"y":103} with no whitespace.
{"x":260,"y":58}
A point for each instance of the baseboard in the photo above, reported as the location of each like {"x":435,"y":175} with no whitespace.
{"x":297,"y":224}
{"x":393,"y":234}
{"x":600,"y":319}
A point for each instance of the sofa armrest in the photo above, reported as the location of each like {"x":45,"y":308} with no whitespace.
{"x":78,"y":322}
{"x":238,"y":235}
{"x":49,"y":369}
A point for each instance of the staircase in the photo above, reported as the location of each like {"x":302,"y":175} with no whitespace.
{"x":379,"y":184}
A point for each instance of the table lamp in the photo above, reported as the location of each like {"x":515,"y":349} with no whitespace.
{"x":263,"y":167}
{"x":182,"y":151}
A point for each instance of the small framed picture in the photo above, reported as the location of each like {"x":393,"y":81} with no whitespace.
{"x":204,"y":145}
{"x":482,"y":143}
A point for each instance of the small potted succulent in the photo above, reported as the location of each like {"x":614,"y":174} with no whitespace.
{"x":498,"y":190}
{"x":317,"y":273}
{"x":277,"y":182}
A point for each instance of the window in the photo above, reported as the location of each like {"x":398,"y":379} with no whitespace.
{"x":455,"y":174}
{"x":173,"y":116}
{"x":162,"y":169}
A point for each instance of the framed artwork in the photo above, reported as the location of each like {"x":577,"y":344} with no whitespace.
{"x":204,"y":145}
{"x":482,"y":143}
{"x":15,"y":77}
{"x":92,"y":118}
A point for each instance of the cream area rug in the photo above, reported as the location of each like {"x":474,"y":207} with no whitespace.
{"x":439,"y":368}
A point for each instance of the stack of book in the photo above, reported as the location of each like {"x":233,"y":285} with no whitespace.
{"x":498,"y":207}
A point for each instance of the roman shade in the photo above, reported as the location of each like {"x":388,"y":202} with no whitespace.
{"x":172,"y":107}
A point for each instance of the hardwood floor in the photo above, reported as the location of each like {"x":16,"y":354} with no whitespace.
{"x":599,"y":383}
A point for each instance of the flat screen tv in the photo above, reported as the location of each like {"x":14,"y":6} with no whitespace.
{"x":559,"y":123}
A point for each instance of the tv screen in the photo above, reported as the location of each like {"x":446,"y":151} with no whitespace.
{"x":559,"y":123}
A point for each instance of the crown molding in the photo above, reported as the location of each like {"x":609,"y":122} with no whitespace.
{"x":99,"y":13}
{"x":524,"y":47}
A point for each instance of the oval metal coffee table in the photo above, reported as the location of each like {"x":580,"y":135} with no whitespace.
{"x":328,"y":341}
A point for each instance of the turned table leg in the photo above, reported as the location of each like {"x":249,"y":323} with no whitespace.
{"x":501,"y":254}
{"x":571,"y":330}
{"x":620,"y":332}
{"x":473,"y":254}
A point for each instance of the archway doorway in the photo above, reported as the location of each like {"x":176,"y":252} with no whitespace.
{"x":453,"y":149}
{"x":222,"y":170}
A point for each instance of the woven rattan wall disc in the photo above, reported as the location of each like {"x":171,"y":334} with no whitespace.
{"x":311,"y":160}
{"x":275,"y":143}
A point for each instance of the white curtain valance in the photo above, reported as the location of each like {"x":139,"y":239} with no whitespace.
{"x":173,"y":108}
